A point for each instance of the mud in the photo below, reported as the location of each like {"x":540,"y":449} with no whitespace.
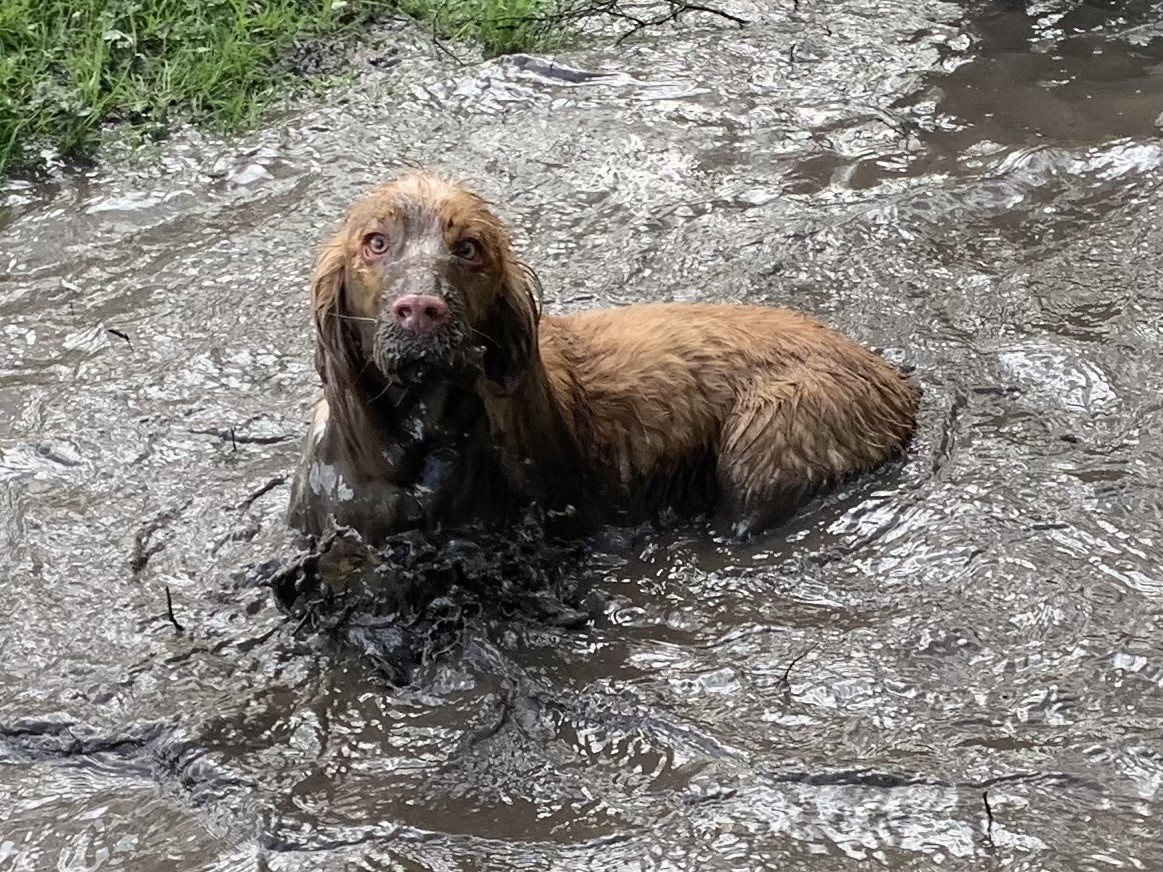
{"x":957,"y":662}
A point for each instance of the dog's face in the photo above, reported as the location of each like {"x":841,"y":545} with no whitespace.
{"x":419,"y":281}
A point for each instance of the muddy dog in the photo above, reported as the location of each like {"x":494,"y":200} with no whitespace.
{"x":449,"y":399}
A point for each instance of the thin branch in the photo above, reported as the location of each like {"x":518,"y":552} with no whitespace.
{"x":698,"y":7}
{"x":170,"y":611}
{"x":270,"y":485}
{"x":615,"y":9}
{"x":988,"y":818}
{"x":787,"y":672}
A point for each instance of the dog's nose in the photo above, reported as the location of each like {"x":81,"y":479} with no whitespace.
{"x":420,"y":313}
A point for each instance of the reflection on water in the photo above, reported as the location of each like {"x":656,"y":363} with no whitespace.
{"x":955,"y":662}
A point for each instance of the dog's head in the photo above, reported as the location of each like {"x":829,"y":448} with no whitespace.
{"x":420,"y":281}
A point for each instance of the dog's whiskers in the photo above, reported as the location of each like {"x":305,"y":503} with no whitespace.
{"x":344,"y":317}
{"x":387,"y":388}
{"x":479,"y":332}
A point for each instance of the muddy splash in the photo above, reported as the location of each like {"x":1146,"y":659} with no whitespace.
{"x":958,"y":661}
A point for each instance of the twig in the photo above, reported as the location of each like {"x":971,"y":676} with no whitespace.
{"x":612,"y":9}
{"x":170,"y":611}
{"x":677,"y":8}
{"x":237,"y":439}
{"x":698,"y":7}
{"x":988,"y":819}
{"x":437,"y":17}
{"x":120,"y":335}
{"x":787,"y":672}
{"x":262,"y":491}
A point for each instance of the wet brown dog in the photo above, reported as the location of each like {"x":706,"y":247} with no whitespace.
{"x":448,"y":399}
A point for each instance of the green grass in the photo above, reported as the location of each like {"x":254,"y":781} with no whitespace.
{"x":498,"y":26}
{"x":67,"y":68}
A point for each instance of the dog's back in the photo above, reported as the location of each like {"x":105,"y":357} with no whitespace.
{"x":781,"y":403}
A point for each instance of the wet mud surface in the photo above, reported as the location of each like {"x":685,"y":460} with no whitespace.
{"x":957,"y":662}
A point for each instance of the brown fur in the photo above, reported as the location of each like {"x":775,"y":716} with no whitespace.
{"x":608,"y":415}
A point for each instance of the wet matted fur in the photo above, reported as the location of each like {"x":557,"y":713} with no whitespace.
{"x":604,"y":416}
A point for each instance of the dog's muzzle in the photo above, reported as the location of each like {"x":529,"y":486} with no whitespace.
{"x":419,"y":314}
{"x":421,"y":330}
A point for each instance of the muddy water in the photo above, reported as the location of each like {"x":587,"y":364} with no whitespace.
{"x":955,"y":663}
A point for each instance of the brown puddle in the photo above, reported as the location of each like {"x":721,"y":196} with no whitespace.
{"x":956,"y":662}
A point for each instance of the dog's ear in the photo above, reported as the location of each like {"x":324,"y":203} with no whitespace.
{"x":336,"y":346}
{"x":509,"y":332}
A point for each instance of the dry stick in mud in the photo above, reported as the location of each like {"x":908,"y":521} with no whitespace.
{"x":120,"y":334}
{"x":988,"y":819}
{"x":675,"y":9}
{"x":621,"y":11}
{"x":618,"y":10}
{"x":170,"y":611}
{"x":262,"y":490}
{"x":786,"y":680}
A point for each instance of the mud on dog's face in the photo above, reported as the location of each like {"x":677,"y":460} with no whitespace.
{"x":415,"y":281}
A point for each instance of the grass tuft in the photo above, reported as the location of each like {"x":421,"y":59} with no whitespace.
{"x":498,"y":26}
{"x":69,"y":66}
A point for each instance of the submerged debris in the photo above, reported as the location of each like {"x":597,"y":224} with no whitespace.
{"x":407,"y":602}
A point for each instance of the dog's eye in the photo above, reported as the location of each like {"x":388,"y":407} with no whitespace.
{"x":375,"y":243}
{"x":467,"y":249}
